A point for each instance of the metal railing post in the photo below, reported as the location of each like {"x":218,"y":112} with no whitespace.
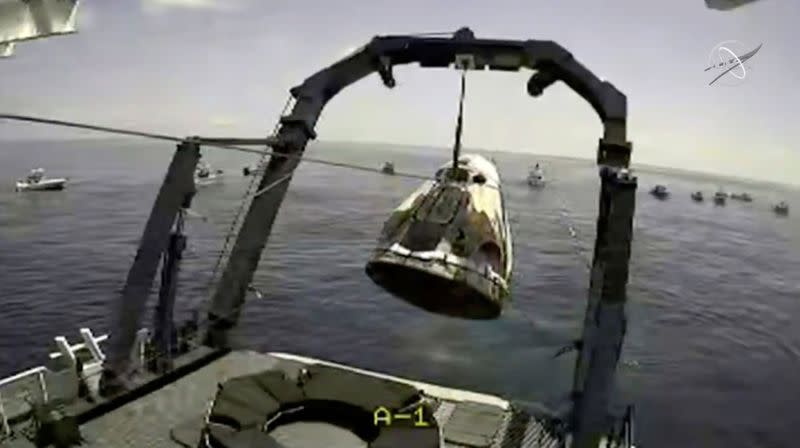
{"x":43,"y":386}
{"x":3,"y":418}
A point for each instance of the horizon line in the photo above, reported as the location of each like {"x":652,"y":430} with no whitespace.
{"x":646,"y":166}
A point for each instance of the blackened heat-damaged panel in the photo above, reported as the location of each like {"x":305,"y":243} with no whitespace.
{"x":449,"y":199}
{"x":431,"y":220}
{"x":400,"y":219}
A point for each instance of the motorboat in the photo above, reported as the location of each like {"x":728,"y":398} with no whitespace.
{"x":720,"y":197}
{"x":388,"y":168}
{"x":447,"y":247}
{"x":744,"y":197}
{"x":697,"y":196}
{"x":660,"y":192}
{"x":536,"y":177}
{"x":36,"y":181}
{"x":781,"y":208}
{"x":252,"y":170}
{"x":205,"y":175}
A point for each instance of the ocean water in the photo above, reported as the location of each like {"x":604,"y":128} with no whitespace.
{"x":712,"y":357}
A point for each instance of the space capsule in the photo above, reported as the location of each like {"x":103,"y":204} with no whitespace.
{"x":448,"y":247}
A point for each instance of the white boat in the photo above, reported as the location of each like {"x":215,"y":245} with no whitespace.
{"x":447,"y":248}
{"x":720,"y":197}
{"x":37,"y":182}
{"x":388,"y":168}
{"x":204,"y":175}
{"x":744,"y":197}
{"x":252,"y":170}
{"x":536,"y":177}
{"x":660,"y":191}
{"x":6,"y":49}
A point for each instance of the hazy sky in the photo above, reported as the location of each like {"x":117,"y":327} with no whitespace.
{"x":224,"y":67}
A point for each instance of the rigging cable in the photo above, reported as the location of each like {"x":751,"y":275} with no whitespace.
{"x":242,"y":205}
{"x":569,"y":223}
{"x":172,"y":138}
{"x":250,"y":287}
{"x":266,"y":152}
{"x":262,"y":152}
{"x":459,"y":123}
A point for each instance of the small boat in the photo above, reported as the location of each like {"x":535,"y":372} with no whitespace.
{"x":536,"y":177}
{"x":204,"y":175}
{"x":252,"y":170}
{"x":781,"y":208}
{"x":388,"y":168}
{"x":697,"y":196}
{"x":744,"y":197}
{"x":660,"y":191}
{"x":37,"y":182}
{"x":720,"y":197}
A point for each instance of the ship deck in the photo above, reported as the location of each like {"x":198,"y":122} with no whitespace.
{"x":173,"y":415}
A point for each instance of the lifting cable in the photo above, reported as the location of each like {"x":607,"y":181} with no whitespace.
{"x":459,"y":124}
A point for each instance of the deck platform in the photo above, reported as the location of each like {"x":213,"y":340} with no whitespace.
{"x":172,"y":416}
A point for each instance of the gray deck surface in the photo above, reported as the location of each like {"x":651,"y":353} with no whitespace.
{"x":173,"y":415}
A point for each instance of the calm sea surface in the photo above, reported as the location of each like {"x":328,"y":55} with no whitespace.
{"x":712,"y":357}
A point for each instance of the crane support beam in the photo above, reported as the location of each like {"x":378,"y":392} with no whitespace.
{"x":602,"y":340}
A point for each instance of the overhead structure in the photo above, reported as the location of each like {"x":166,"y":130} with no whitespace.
{"x":22,"y":20}
{"x":604,"y":327}
{"x":727,"y":5}
{"x":605,"y":321}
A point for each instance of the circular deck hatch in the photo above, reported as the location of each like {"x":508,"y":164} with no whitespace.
{"x":326,"y":407}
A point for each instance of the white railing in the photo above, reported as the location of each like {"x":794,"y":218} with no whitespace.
{"x":39,"y":372}
{"x":65,"y":351}
{"x":66,"y":354}
{"x":89,"y":342}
